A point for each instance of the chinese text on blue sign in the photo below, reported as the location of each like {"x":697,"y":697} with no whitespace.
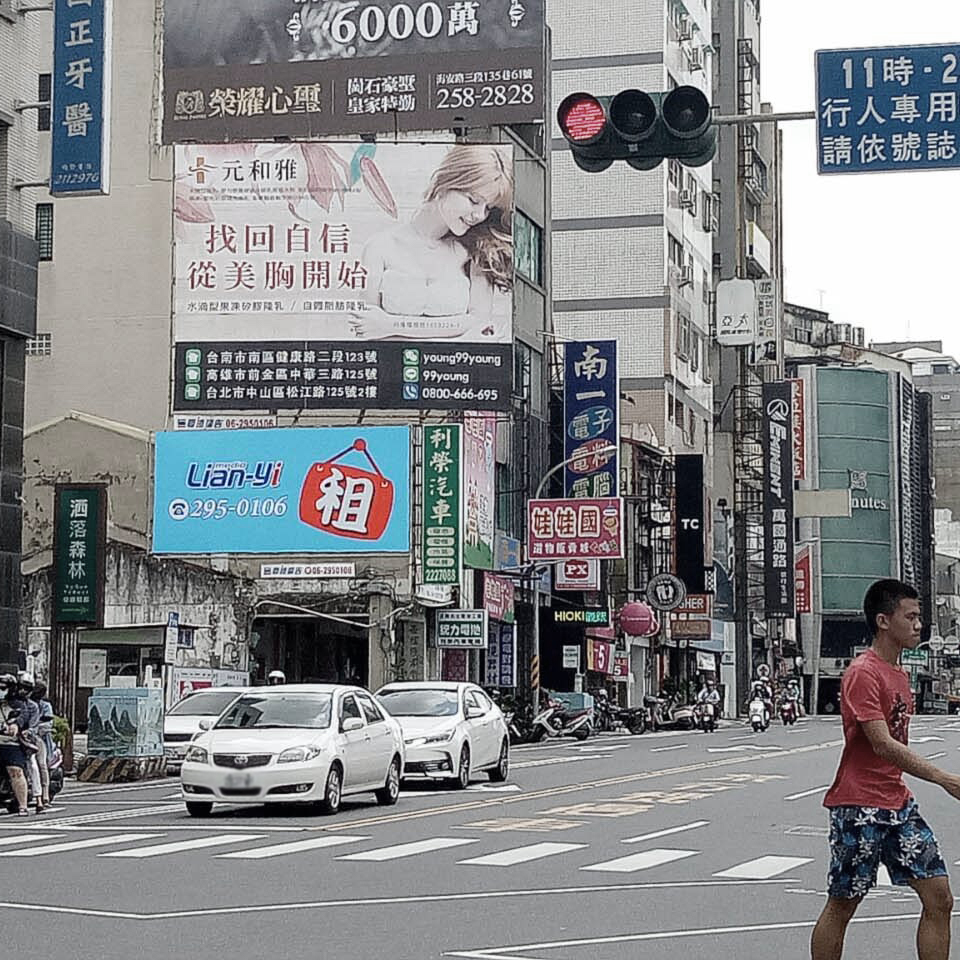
{"x":888,"y":108}
{"x":590,"y":414}
{"x":80,"y":117}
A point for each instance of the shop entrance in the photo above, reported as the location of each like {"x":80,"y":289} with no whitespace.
{"x":310,"y":650}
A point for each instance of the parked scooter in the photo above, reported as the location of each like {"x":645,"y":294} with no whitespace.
{"x":554,"y":721}
{"x":758,"y":714}
{"x":653,"y":708}
{"x":677,"y":714}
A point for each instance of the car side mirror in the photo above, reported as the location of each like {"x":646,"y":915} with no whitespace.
{"x":474,"y":712}
{"x":351,"y":723}
{"x":206,"y":724}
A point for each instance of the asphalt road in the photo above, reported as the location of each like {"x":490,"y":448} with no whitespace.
{"x":669,"y":845}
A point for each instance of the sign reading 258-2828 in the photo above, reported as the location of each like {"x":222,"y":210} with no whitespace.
{"x":327,"y":490}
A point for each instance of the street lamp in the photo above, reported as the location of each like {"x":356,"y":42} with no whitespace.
{"x":610,"y":448}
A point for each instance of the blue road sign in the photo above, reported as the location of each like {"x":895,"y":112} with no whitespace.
{"x":888,"y":108}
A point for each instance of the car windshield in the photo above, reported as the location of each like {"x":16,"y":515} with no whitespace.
{"x":310,"y":711}
{"x":420,"y":703}
{"x":210,"y":704}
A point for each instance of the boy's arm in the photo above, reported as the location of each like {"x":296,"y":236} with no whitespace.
{"x":885,"y":747}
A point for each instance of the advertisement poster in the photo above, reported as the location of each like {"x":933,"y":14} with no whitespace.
{"x":441,"y":522}
{"x":307,"y":490}
{"x":479,"y":470}
{"x":343,"y":275}
{"x":93,"y":668}
{"x":585,"y":529}
{"x":80,"y":110}
{"x":591,"y":404}
{"x":499,"y":598}
{"x":258,"y":69}
{"x":779,"y":573}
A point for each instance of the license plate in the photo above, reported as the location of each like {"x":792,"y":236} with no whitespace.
{"x":239,"y":781}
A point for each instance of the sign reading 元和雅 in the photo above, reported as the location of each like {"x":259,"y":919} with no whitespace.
{"x":888,"y":108}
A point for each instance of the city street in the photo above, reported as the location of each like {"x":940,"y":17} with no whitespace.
{"x":667,"y":845}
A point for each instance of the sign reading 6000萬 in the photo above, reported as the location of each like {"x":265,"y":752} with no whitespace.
{"x":316,"y":490}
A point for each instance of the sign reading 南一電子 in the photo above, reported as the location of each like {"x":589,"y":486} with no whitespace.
{"x":259,"y":69}
{"x":79,"y":553}
{"x":442,"y":552}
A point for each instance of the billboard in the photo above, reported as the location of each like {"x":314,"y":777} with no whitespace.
{"x":779,"y":573}
{"x":591,"y":404}
{"x":479,"y":472}
{"x":583,"y":529}
{"x":258,"y":69}
{"x":316,"y":275}
{"x":296,"y":490}
{"x":80,"y":108}
{"x":689,"y":521}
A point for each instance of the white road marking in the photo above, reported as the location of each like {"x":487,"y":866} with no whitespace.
{"x":280,"y":849}
{"x":535,"y":851}
{"x":641,"y":861}
{"x":494,"y":788}
{"x":806,"y":793}
{"x":161,"y":849}
{"x":740,"y":747}
{"x":546,"y":761}
{"x":676,"y":746}
{"x":113,"y":815}
{"x":936,"y":756}
{"x":667,"y":832}
{"x":407,"y":849}
{"x":748,"y":736}
{"x":78,"y":844}
{"x":22,"y":838}
{"x":618,"y":746}
{"x":926,"y":739}
{"x":763,"y":868}
{"x":883,"y":877}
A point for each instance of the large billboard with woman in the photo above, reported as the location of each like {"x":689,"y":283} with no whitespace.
{"x":343,"y":274}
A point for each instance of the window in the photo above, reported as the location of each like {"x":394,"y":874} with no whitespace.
{"x":349,"y":710}
{"x":44,"y":92}
{"x":528,"y":248}
{"x":683,"y":337}
{"x":675,"y":251}
{"x":370,"y":710}
{"x":472,"y":700}
{"x":40,"y":346}
{"x":675,"y":173}
{"x":43,"y":233}
{"x":695,"y":344}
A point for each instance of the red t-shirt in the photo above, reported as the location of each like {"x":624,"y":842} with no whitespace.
{"x":872,"y":689}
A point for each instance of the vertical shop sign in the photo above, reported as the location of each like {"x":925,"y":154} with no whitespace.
{"x":799,"y":430}
{"x":479,"y":468}
{"x":79,"y":553}
{"x":778,"y":538}
{"x":591,"y":405}
{"x":80,"y":109}
{"x":442,"y":538}
{"x":501,"y":662}
{"x":690,"y":522}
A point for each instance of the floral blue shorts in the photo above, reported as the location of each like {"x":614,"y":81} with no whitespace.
{"x":861,"y":838}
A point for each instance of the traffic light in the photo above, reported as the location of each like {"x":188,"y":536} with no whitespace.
{"x":641,"y":128}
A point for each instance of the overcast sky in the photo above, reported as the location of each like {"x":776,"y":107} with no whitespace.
{"x":875,"y":250}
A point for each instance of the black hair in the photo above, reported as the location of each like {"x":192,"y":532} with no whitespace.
{"x":884,"y":596}
{"x":39,"y":691}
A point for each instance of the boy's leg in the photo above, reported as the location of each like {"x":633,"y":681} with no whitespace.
{"x":827,"y":940}
{"x":933,"y":934}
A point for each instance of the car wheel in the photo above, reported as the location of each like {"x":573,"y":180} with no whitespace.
{"x":199,"y":808}
{"x":502,"y":770}
{"x":462,"y":780}
{"x":389,"y":793}
{"x":332,"y":792}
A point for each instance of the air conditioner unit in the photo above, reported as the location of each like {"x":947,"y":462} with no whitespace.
{"x":695,"y":58}
{"x":685,"y":29}
{"x":685,"y":277}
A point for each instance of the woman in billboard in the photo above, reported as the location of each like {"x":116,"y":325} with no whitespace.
{"x":448,"y":272}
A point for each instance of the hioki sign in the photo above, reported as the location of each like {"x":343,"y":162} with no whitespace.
{"x":584,"y":529}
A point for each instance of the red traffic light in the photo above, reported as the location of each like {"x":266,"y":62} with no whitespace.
{"x":582,"y":118}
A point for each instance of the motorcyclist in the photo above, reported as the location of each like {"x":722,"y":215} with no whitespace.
{"x":709,"y":694}
{"x":791,"y":694}
{"x":276,"y":677}
{"x":12,"y":756}
{"x":30,"y":711}
{"x":761,"y":688}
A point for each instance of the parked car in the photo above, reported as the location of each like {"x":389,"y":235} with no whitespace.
{"x":182,"y":721}
{"x":450,"y":730}
{"x":307,"y":743}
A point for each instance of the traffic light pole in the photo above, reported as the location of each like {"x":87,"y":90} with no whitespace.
{"x":745,"y":118}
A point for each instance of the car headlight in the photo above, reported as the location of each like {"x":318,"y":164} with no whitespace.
{"x":299,"y":754}
{"x":196,"y":754}
{"x":434,"y":738}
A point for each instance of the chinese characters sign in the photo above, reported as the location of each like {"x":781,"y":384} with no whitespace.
{"x":584,"y":529}
{"x":778,"y":499}
{"x":499,"y":598}
{"x":80,"y":109}
{"x":257,"y":69}
{"x":304,"y":277}
{"x":803,"y":581}
{"x":767,"y":344}
{"x":501,"y":659}
{"x":462,"y":628}
{"x":798,"y":404}
{"x":80,"y":521}
{"x":591,"y":419}
{"x":479,"y":469}
{"x":888,"y":108}
{"x":319,"y":490}
{"x":441,"y":528}
{"x":736,"y":313}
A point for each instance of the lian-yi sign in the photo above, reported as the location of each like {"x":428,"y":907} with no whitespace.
{"x":258,"y":69}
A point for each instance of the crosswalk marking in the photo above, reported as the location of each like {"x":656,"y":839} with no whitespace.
{"x":407,"y":849}
{"x":22,"y":838}
{"x":883,"y":877}
{"x":161,"y":849}
{"x":78,"y":844}
{"x":535,"y":851}
{"x":666,"y":833}
{"x":807,"y":793}
{"x":297,"y":846}
{"x":641,"y":861}
{"x":763,"y":868}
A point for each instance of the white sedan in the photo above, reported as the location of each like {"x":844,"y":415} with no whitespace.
{"x":312,"y":743}
{"x":450,"y":730}
{"x":182,"y":721}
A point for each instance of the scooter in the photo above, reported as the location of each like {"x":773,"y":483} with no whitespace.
{"x":788,"y":712}
{"x":679,"y":715}
{"x":653,"y":707}
{"x":55,"y":768}
{"x":759,"y":715}
{"x":554,"y":721}
{"x":706,"y":714}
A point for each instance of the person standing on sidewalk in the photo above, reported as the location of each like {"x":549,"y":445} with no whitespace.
{"x":874,"y":818}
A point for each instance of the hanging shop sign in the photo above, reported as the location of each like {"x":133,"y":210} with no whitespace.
{"x":778,"y":534}
{"x":600,"y":655}
{"x":442,"y":549}
{"x":586,"y":616}
{"x":79,"y":553}
{"x":583,"y":529}
{"x":577,"y":575}
{"x":462,"y":628}
{"x":479,"y":470}
{"x":499,"y":598}
{"x":689,"y":519}
{"x":501,"y":659}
